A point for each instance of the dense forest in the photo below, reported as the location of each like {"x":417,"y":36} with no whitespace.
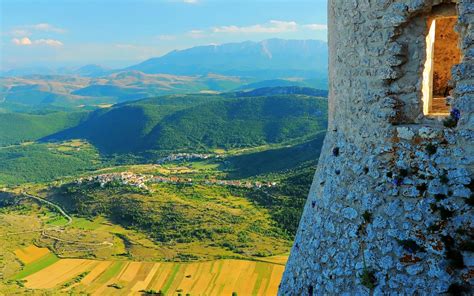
{"x":200,"y":122}
{"x":20,"y":127}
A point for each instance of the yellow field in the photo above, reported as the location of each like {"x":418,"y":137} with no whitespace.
{"x":220,"y":277}
{"x":278,"y":259}
{"x":31,"y":253}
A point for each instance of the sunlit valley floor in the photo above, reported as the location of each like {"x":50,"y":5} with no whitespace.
{"x":135,"y":209}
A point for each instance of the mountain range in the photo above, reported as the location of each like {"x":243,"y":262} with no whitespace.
{"x":90,"y":70}
{"x":272,"y":58}
{"x":210,"y":68}
{"x":267,"y":59}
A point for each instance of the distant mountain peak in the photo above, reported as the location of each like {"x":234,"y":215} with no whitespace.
{"x":92,"y":70}
{"x":242,"y":58}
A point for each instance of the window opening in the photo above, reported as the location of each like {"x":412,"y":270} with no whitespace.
{"x":442,"y":53}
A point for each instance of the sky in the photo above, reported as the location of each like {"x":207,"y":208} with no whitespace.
{"x":119,"y":33}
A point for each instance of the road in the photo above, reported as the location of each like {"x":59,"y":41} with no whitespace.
{"x":58,"y":208}
{"x":104,"y":244}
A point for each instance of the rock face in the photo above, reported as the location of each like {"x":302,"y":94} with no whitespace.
{"x":390,"y":207}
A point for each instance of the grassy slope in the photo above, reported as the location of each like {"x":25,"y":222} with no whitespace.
{"x":215,"y":217}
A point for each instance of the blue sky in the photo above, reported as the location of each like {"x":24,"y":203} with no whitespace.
{"x":118,"y":33}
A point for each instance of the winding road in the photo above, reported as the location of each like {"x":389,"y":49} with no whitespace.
{"x":57,"y":207}
{"x":105,"y":244}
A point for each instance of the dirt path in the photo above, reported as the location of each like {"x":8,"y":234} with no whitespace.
{"x":101,"y":245}
{"x":57,"y":207}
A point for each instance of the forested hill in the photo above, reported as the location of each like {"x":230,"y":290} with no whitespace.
{"x":201,"y":122}
{"x":20,"y":127}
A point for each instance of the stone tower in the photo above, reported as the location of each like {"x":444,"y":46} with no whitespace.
{"x":390,"y":207}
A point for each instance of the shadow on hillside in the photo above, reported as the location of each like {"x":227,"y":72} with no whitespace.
{"x":275,"y":160}
{"x":116,"y":131}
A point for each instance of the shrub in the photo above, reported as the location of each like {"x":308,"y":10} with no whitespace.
{"x":452,"y":120}
{"x":367,"y":216}
{"x":456,"y":289}
{"x":368,"y":279}
{"x":431,"y":149}
{"x":411,"y":246}
{"x":116,"y":286}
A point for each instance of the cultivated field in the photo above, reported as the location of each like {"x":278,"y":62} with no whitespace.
{"x":31,"y":253}
{"x":220,"y":277}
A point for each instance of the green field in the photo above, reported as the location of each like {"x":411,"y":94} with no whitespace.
{"x":36,"y":266}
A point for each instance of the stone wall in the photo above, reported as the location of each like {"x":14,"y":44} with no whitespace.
{"x":390,"y":207}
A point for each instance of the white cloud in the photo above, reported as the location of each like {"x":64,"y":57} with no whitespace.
{"x":25,"y":41}
{"x":316,"y":27}
{"x":22,"y":41}
{"x":27,"y":30}
{"x":126,"y":46}
{"x":20,"y":32}
{"x":196,"y":34}
{"x":273,"y":26}
{"x":46,"y":28}
{"x":49,"y":42}
{"x":190,"y":1}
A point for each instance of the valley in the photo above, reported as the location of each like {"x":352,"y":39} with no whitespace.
{"x":43,"y":272}
{"x":210,"y":230}
{"x":171,"y":193}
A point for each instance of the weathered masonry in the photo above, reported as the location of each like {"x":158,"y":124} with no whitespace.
{"x":390,"y":207}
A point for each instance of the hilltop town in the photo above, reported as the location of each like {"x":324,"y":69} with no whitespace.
{"x":142,"y":180}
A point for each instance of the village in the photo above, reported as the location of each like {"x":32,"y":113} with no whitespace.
{"x":185,"y":156}
{"x":142,"y":180}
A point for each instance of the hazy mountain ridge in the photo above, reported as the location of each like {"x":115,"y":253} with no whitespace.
{"x":75,"y":91}
{"x":273,"y":56}
{"x":211,"y":68}
{"x":91,"y":70}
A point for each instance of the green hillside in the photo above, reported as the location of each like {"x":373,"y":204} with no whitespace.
{"x":45,"y":162}
{"x":275,"y":160}
{"x":200,"y":122}
{"x":239,"y":123}
{"x":20,"y":127}
{"x":123,"y":127}
{"x":285,"y":202}
{"x":219,"y":220}
{"x":283,"y":132}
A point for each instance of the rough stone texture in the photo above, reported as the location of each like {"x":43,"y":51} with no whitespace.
{"x":396,"y":202}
